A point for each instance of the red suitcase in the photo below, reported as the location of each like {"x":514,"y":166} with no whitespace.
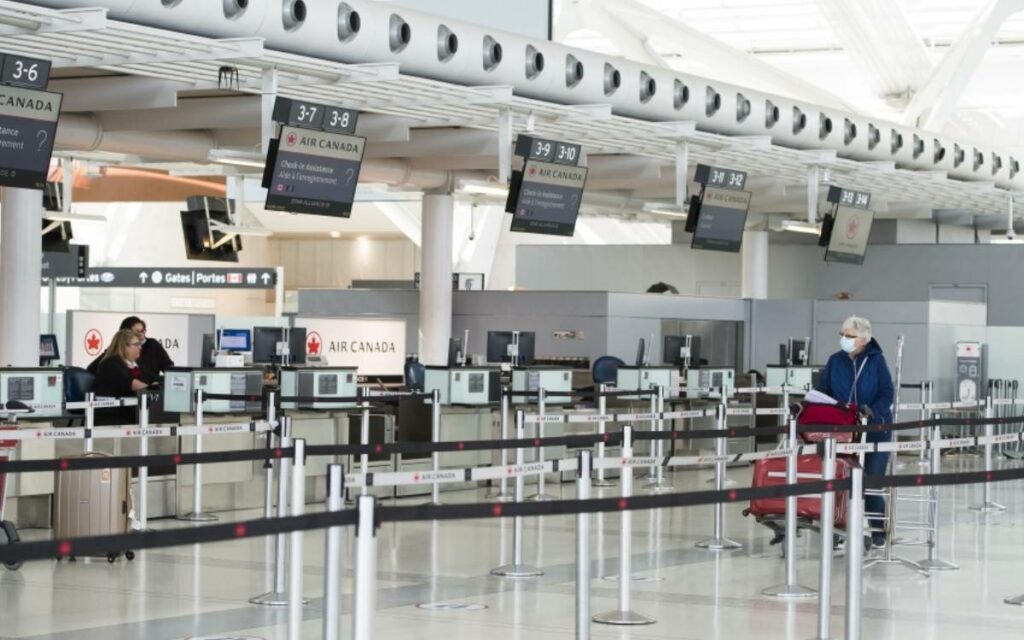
{"x":772,"y":471}
{"x":843,"y":415}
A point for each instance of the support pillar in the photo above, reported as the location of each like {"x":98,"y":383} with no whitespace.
{"x":755,"y":265}
{"x":21,"y":256}
{"x":436,"y":278}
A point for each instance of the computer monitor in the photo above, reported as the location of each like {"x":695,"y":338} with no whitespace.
{"x":202,"y":241}
{"x":57,"y":237}
{"x":264,"y":345}
{"x":681,"y":350}
{"x":49,"y":351}
{"x":499,"y":342}
{"x":235,"y":339}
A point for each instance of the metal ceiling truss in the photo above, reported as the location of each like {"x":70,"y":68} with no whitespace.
{"x":87,"y":39}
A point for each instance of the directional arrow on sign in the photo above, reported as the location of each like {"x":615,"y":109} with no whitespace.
{"x":143,"y":276}
{"x":266,"y":278}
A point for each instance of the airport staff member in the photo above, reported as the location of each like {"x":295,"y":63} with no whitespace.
{"x":154,"y":359}
{"x":859,"y":374}
{"x":119,"y":375}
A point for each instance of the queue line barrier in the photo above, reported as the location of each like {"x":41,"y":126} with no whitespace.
{"x":576,"y":441}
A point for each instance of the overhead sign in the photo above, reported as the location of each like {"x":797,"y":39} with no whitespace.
{"x":310,"y":115}
{"x":90,"y":333}
{"x":32,"y":73}
{"x":722,"y":178}
{"x":723,"y":216}
{"x":849,"y":197}
{"x":850,"y":231}
{"x":174,"y":278}
{"x":66,"y":264}
{"x":28,"y":121}
{"x":375,"y":347}
{"x":552,"y":151}
{"x":314,"y":172}
{"x":548,"y":198}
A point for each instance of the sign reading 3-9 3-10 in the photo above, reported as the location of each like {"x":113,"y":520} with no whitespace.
{"x":314,"y":172}
{"x":28,"y":122}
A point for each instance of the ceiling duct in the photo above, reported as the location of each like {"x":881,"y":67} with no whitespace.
{"x":573,"y":71}
{"x":771,"y":114}
{"x":232,"y":8}
{"x":612,"y":79}
{"x":680,"y":94}
{"x":349,"y":22}
{"x":313,"y":29}
{"x":447,"y":43}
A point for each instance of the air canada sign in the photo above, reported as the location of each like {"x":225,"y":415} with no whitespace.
{"x":375,"y":346}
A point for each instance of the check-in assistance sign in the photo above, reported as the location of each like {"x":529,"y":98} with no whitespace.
{"x":28,"y":121}
{"x":549,"y":199}
{"x":315,"y":172}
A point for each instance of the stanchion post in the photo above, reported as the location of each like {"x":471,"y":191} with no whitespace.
{"x":987,"y":505}
{"x":435,"y":437}
{"x":197,"y":515}
{"x":278,"y":597}
{"x":518,"y":569}
{"x":268,"y":465}
{"x":791,"y":589}
{"x":933,"y":562}
{"x":855,"y":554}
{"x":583,"y":549}
{"x":542,"y":405}
{"x":926,"y":400}
{"x":657,"y":482}
{"x":624,"y":615}
{"x":503,"y":494}
{"x":143,"y":470}
{"x":332,"y":554}
{"x":90,"y":420}
{"x":364,"y":438}
{"x":366,"y":570}
{"x":298,"y":501}
{"x":828,"y":510}
{"x":718,"y":541}
{"x":602,"y":426}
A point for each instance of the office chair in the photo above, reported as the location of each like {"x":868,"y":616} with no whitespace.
{"x":606,"y":370}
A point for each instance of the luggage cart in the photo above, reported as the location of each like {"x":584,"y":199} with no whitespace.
{"x":8,"y":532}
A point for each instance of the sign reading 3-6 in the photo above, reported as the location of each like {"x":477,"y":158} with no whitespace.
{"x":33,"y":73}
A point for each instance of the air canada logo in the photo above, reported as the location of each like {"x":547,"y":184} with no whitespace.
{"x":532,"y":171}
{"x":292,"y":139}
{"x":314,"y":344}
{"x":852,"y":227}
{"x":93,"y":342}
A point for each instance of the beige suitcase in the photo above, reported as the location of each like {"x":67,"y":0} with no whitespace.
{"x":94,"y":502}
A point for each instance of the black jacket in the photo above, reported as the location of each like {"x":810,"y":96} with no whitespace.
{"x":114,"y":380}
{"x":153,"y":362}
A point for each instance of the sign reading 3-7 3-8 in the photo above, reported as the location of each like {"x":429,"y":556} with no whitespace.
{"x":315,"y":172}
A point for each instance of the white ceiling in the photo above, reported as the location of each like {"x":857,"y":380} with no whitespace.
{"x":816,"y":41}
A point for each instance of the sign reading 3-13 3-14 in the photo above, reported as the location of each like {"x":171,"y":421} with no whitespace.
{"x":28,"y":121}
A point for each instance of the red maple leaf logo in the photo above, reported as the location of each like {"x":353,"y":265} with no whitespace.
{"x":533,"y":171}
{"x":292,"y":139}
{"x":93,"y":342}
{"x":852,"y":227}
{"x":313,"y":343}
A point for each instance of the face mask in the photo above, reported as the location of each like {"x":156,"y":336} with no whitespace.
{"x":847,"y":344}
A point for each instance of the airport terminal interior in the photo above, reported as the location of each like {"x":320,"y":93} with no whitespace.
{"x":547,"y":319}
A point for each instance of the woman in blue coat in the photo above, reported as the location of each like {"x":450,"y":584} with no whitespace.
{"x":859,"y":374}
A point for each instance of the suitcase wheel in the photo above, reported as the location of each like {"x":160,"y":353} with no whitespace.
{"x":129,"y":555}
{"x":111,"y":557}
{"x":13,"y":566}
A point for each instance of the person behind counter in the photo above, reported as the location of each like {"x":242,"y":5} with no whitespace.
{"x":118,"y":375}
{"x":153,"y":360}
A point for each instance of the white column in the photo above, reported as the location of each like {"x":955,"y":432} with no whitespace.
{"x":755,"y":264}
{"x":436,"y":278}
{"x":21,"y":257}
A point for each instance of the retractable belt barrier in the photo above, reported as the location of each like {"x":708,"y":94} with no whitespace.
{"x":578,"y":441}
{"x":263,"y":527}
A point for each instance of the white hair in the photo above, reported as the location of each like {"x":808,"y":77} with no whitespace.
{"x":862,"y":326}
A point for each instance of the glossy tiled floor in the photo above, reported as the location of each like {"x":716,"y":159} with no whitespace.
{"x":189,"y":591}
